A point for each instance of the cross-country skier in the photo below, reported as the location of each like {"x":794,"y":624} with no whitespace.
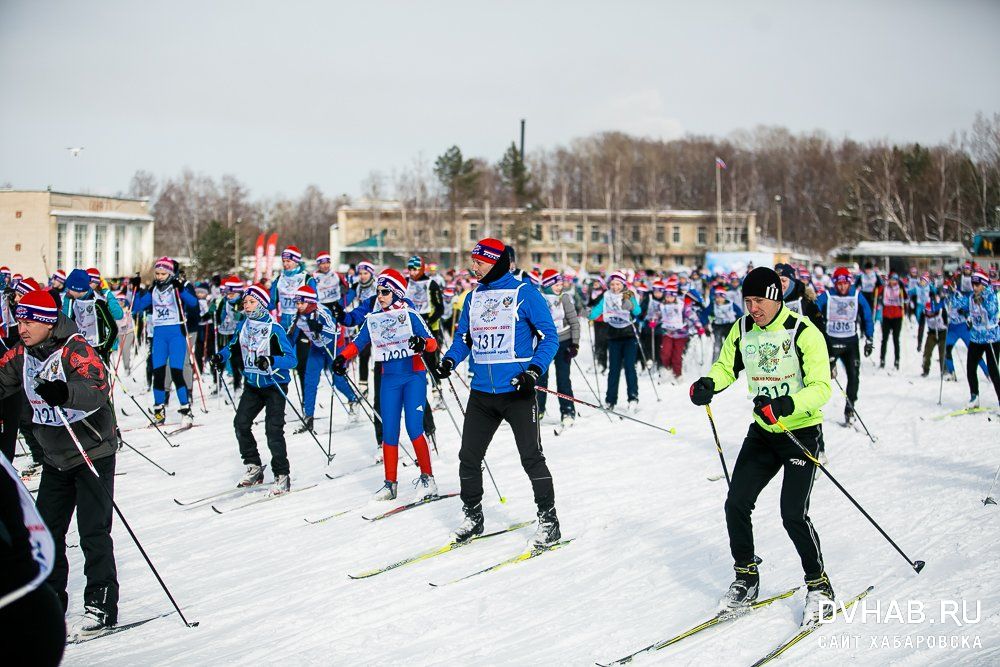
{"x":364,"y":289}
{"x":227,"y":314}
{"x":167,"y":299}
{"x":841,"y":309}
{"x":677,"y":320}
{"x":984,"y":334}
{"x":892,"y":300}
{"x":91,"y":313}
{"x":63,"y":377}
{"x":868,"y":283}
{"x":785,"y":359}
{"x":799,"y":297}
{"x":267,"y":356}
{"x":502,"y":316}
{"x":723,"y":313}
{"x":331,"y":287}
{"x":935,"y":317}
{"x":619,"y":307}
{"x":567,"y":322}
{"x":293,"y":276}
{"x":398,"y":337}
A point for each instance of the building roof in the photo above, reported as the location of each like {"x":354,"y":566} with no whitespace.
{"x":73,"y":194}
{"x":901,"y":249}
{"x":102,"y":215}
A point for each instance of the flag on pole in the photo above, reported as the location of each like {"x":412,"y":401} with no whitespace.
{"x":719,"y":163}
{"x":258,"y":267}
{"x":272,"y":245}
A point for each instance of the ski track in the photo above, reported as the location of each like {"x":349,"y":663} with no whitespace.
{"x":650,"y":556}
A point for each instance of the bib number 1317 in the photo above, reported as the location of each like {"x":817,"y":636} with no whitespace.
{"x":489,"y":341}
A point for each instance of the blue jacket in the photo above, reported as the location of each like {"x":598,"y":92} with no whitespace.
{"x":282,"y":355}
{"x":864,"y":310}
{"x":983,"y":327}
{"x":532,"y":316}
{"x":144,"y":301}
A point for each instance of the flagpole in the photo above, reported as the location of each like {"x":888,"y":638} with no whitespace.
{"x":718,"y":203}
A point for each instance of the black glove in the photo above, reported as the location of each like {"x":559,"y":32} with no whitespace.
{"x":53,"y":392}
{"x":340,"y":365}
{"x":135,"y":281}
{"x":444,"y":369}
{"x":417,"y":344}
{"x":869,"y":346}
{"x":572,"y":350}
{"x":467,"y":339}
{"x":525,"y":381}
{"x":177,"y":283}
{"x":772,"y":409}
{"x":338,"y":312}
{"x":217,"y":362}
{"x":263,"y":363}
{"x":702,"y":391}
{"x":314,"y":325}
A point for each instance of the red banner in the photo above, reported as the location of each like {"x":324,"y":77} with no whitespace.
{"x":272,"y":245}
{"x":258,"y":254}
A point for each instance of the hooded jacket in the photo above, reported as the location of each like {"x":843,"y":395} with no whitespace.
{"x":87,"y":382}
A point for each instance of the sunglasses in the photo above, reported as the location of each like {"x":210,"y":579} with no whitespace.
{"x":385,"y":292}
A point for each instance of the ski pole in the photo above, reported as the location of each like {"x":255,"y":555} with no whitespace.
{"x":592,"y":390}
{"x":671,"y":430}
{"x":642,"y":355}
{"x":486,"y":465}
{"x":989,"y":500}
{"x":225,"y":385}
{"x":593,"y":353}
{"x":851,"y":406}
{"x":298,"y":414}
{"x":718,"y":445}
{"x":917,"y":565}
{"x":122,"y":440}
{"x":90,"y":464}
{"x":145,"y":414}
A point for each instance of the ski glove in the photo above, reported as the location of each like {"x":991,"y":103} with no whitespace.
{"x":338,"y":312}
{"x":525,"y":381}
{"x":467,"y":339}
{"x":217,"y":362}
{"x":772,"y":409}
{"x":444,"y":369}
{"x":417,"y":344}
{"x":340,"y":365}
{"x":263,"y":363}
{"x":53,"y":392}
{"x":869,"y":346}
{"x":572,"y":350}
{"x":702,"y":391}
{"x":314,"y":325}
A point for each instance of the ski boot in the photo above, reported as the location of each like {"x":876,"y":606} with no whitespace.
{"x":547,"y":533}
{"x":895,"y":364}
{"x":352,"y":411}
{"x":307,"y":426}
{"x":426,"y":486}
{"x":282,"y":484}
{"x":472,"y":526}
{"x":848,"y":416}
{"x":387,"y":492}
{"x":187,"y":419}
{"x":881,"y":364}
{"x":819,"y":600}
{"x":252,"y":477}
{"x":633,"y":405}
{"x":743,"y":591}
{"x":91,"y":623}
{"x":159,"y":415}
{"x":973,"y":402}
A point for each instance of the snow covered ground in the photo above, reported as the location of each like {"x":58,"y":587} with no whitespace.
{"x":649,"y":558}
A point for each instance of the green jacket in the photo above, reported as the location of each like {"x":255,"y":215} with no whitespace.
{"x":814,"y":362}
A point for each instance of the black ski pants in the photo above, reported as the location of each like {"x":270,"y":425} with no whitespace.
{"x":252,"y":401}
{"x":601,"y":344}
{"x":978,"y":351}
{"x":763,"y":454}
{"x":890,"y":326}
{"x":59,"y":493}
{"x":482,"y":419}
{"x":847,"y":351}
{"x":564,"y":385}
{"x":429,"y":428}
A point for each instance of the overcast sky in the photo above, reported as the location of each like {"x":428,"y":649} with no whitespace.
{"x":284,"y":94}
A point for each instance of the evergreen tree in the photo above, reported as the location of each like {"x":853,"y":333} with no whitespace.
{"x":213,"y":249}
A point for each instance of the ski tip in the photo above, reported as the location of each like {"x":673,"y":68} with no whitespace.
{"x":988,"y":500}
{"x":918,"y":565}
{"x":216,"y":509}
{"x":194,"y":624}
{"x":178,"y":502}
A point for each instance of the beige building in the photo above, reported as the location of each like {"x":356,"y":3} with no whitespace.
{"x":42,"y":230}
{"x":387,"y":233}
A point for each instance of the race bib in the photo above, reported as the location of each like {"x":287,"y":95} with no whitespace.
{"x":492,"y":317}
{"x":771,"y":362}
{"x":85,"y":316}
{"x":795,"y":306}
{"x":390,"y":332}
{"x":418,"y":291}
{"x":51,"y":369}
{"x":726,"y":313}
{"x":615,"y":313}
{"x":891,"y":298}
{"x":165,"y":310}
{"x":227,"y":322}
{"x":672,"y":315}
{"x":255,"y":341}
{"x":868,"y":281}
{"x":286,"y":292}
{"x":327,"y":286}
{"x":842,"y":316}
{"x":557,"y":311}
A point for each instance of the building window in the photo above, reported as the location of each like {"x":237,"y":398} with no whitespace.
{"x":536,"y":258}
{"x":702,"y":235}
{"x":61,"y":245}
{"x":79,"y":245}
{"x":595,"y":233}
{"x":579,"y":232}
{"x":636,"y":233}
{"x":473,"y":232}
{"x":136,"y":234}
{"x":443,"y":232}
{"x":554,"y":232}
{"x":536,"y":232}
{"x":661,"y":234}
{"x":676,"y":234}
{"x":576,"y":257}
{"x":369,"y":232}
{"x":119,"y":249}
{"x":393,"y":233}
{"x":100,"y":245}
{"x":598,"y":259}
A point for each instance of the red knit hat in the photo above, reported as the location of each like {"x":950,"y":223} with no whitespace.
{"x":306,"y":294}
{"x":94,"y":274}
{"x":259,"y":293}
{"x":323,"y":257}
{"x":26,"y":285}
{"x":549,"y":277}
{"x":489,"y":250}
{"x":393,"y":280}
{"x":292,"y":253}
{"x":38,"y":306}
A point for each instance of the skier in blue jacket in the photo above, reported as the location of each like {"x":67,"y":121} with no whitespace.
{"x":508,"y":334}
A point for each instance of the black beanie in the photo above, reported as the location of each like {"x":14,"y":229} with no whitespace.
{"x":763,"y":282}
